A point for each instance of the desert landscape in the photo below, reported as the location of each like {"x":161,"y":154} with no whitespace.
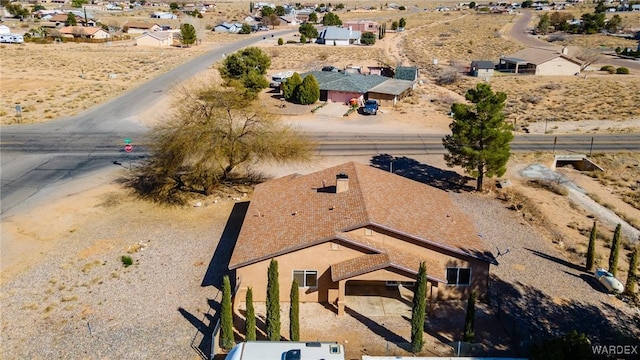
{"x":66,"y":294}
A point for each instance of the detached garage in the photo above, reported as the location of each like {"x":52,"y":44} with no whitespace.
{"x":391,"y":91}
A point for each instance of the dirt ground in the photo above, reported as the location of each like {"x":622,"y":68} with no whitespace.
{"x":52,"y":81}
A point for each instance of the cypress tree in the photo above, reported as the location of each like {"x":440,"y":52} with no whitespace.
{"x":273,"y":303}
{"x":630,"y":286}
{"x":226,"y":319}
{"x":418,"y":309}
{"x":591,"y":251}
{"x":308,"y":92}
{"x":615,"y":249}
{"x":290,"y":85}
{"x":294,"y":312}
{"x":470,"y":319}
{"x":250,"y":322}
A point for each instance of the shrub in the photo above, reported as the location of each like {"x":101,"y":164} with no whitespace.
{"x":622,"y":70}
{"x":126,"y":260}
{"x":608,"y":68}
{"x":308,"y":92}
{"x":303,"y":39}
{"x":280,"y":41}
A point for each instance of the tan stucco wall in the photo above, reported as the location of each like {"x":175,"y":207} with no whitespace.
{"x":318,"y":257}
{"x":443,"y":258}
{"x":557,"y":66}
{"x":150,"y":41}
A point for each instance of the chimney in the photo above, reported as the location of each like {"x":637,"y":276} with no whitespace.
{"x":342,"y":183}
{"x":565,"y":51}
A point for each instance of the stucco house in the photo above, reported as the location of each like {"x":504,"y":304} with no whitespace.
{"x":540,"y":61}
{"x":61,"y":19}
{"x":352,"y":227}
{"x":482,"y":68}
{"x":84,"y":32}
{"x":333,"y":35}
{"x":362,"y":25}
{"x":156,"y":39}
{"x":137,"y":27}
{"x":340,"y":87}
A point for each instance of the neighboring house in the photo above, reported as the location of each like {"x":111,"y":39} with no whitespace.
{"x":137,"y":27}
{"x":341,"y":87}
{"x":4,"y":30}
{"x":61,"y":19}
{"x":540,"y":61}
{"x":228,"y":28}
{"x":84,"y":32}
{"x":362,"y":26}
{"x":290,"y":20}
{"x":157,"y":39}
{"x":407,"y":73}
{"x":163,"y":15}
{"x":482,"y":69}
{"x":333,"y":35}
{"x":353,"y":227}
{"x":391,"y":91}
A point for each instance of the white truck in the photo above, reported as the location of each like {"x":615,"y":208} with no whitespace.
{"x":286,"y":350}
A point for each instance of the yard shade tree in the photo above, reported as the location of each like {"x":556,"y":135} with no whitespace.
{"x":418,"y":310}
{"x":266,"y":11}
{"x":591,"y":250}
{"x":480,"y":138}
{"x":544,"y":24}
{"x":470,"y":319}
{"x":246,"y":68}
{"x":210,"y":141}
{"x":280,"y":10}
{"x":250,"y":317}
{"x":187,"y":34}
{"x":71,"y":20}
{"x":331,"y":19}
{"x":630,"y":286}
{"x":615,"y":250}
{"x":368,"y":38}
{"x":273,"y":303}
{"x":308,"y":30}
{"x":226,"y":317}
{"x":246,"y":29}
{"x":290,"y":86}
{"x":308,"y":92}
{"x":313,"y":17}
{"x":294,"y":312}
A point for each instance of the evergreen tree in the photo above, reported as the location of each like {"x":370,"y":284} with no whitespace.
{"x":71,"y":20}
{"x":308,"y":30}
{"x":615,"y":249}
{"x":591,"y":251}
{"x":402,"y":23}
{"x":313,"y":17}
{"x":544,"y":24}
{"x":188,"y":34}
{"x":331,"y":19}
{"x":368,"y":38}
{"x":250,"y":322}
{"x":294,"y":312}
{"x":418,"y":310}
{"x":309,"y":91}
{"x":470,"y":319}
{"x":280,"y":41}
{"x":480,"y":137}
{"x":226,"y":318}
{"x":290,"y":86}
{"x":273,"y":303}
{"x":630,"y":286}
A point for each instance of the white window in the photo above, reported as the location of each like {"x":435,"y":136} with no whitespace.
{"x":368,"y":232}
{"x":335,"y":246}
{"x":459,"y":276}
{"x":306,"y":278}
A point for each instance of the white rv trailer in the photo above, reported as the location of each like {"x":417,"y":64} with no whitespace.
{"x":286,"y":350}
{"x":279,"y":78}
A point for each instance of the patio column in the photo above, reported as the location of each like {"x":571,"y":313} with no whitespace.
{"x":341,"y":296}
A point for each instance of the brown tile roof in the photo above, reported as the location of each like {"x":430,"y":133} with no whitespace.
{"x":297,"y":211}
{"x":372,"y":262}
{"x":80,"y":30}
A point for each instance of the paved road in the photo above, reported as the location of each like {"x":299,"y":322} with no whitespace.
{"x":91,"y":133}
{"x":521,"y":32}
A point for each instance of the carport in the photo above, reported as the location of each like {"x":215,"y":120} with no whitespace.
{"x":391,"y":91}
{"x":378,"y":298}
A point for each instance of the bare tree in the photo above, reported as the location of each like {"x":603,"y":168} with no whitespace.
{"x":588,"y":56}
{"x":212,"y":132}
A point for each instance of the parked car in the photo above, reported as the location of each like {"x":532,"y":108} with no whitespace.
{"x":370,"y":107}
{"x":608,"y":281}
